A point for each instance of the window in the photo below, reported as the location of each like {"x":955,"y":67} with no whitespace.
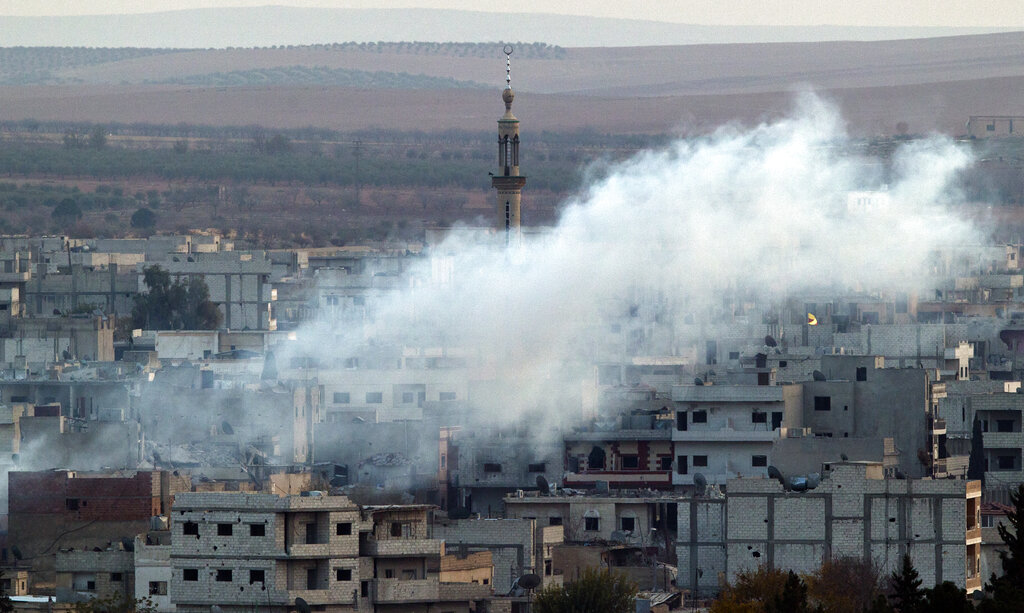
{"x":627,"y":524}
{"x":759,"y":460}
{"x":822,"y":403}
{"x":1005,"y":462}
{"x":311,"y":533}
{"x":157,"y":588}
{"x":665,"y":463}
{"x":630,"y":461}
{"x":255,"y":576}
{"x":223,"y":529}
{"x":700,"y":460}
{"x":862,"y":373}
{"x":444,"y":461}
{"x":591,"y":524}
{"x":554,"y":521}
{"x":190,"y":574}
{"x":90,"y":586}
{"x":537,"y":468}
{"x":343,"y":529}
{"x":758,"y":417}
{"x":389,"y":573}
{"x":700,"y":417}
{"x":446,"y":396}
{"x":71,"y":504}
{"x":190,"y":527}
{"x":224,"y":574}
{"x":734,"y":355}
{"x":547,"y":567}
{"x":343,"y":574}
{"x":491,"y":467}
{"x":116,"y":577}
{"x":1004,"y":425}
{"x":341,"y":398}
{"x":396,"y":528}
{"x":408,"y":397}
{"x":364,"y":589}
{"x":681,"y":420}
{"x":681,"y":466}
{"x":409,"y":574}
{"x":257,"y":530}
{"x":374,"y":397}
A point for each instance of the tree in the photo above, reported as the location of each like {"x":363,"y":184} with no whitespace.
{"x":174,"y":305}
{"x":752,"y":592}
{"x":6,"y":606}
{"x":976,"y":461}
{"x":116,"y":603}
{"x":98,"y":138}
{"x":1007,"y":591}
{"x":143,"y":219}
{"x":792,"y":599}
{"x":594,"y":591}
{"x":845,"y":585}
{"x":947,"y":598}
{"x":66,"y":211}
{"x":906,"y":594}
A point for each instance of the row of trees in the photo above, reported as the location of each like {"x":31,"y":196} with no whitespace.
{"x":282,"y":166}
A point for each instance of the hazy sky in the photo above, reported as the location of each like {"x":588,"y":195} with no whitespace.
{"x":968,"y":13}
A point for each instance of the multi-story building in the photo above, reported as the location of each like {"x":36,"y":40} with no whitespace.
{"x":240,"y":551}
{"x":726,"y":431}
{"x":855,"y":511}
{"x":53,"y":510}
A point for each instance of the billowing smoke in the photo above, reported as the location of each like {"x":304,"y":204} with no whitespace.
{"x":748,"y":213}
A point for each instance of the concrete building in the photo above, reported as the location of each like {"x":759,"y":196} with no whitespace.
{"x":153,"y":569}
{"x":516,"y":546}
{"x":725,"y":431}
{"x":854,"y":511}
{"x":239,"y":284}
{"x":54,"y":510}
{"x":638,"y":455}
{"x":88,"y":573}
{"x":240,"y":551}
{"x":995,"y":126}
{"x":638,"y":518}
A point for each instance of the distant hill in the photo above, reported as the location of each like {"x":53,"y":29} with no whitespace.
{"x":276,"y":25}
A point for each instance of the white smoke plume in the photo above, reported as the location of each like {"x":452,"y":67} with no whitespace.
{"x":755,"y":212}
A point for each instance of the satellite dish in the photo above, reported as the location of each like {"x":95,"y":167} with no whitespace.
{"x":813,"y":480}
{"x":698,"y":381}
{"x":301,"y":606}
{"x":127,"y":543}
{"x":529,"y":581}
{"x":775,"y":473}
{"x":226,"y":428}
{"x":15,"y":458}
{"x":542,"y":485}
{"x":844,"y":457}
{"x":216,"y":609}
{"x":770,"y":342}
{"x":818,"y":376}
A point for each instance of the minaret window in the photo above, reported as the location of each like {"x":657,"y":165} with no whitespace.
{"x":515,"y":150}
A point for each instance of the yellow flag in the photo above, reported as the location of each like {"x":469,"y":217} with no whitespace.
{"x":812,"y":320}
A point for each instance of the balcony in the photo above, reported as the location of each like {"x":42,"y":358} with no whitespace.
{"x":725,"y":434}
{"x":657,"y":479}
{"x":712,"y":478}
{"x":397,"y":591}
{"x":399,"y":547}
{"x":1002,"y":440}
